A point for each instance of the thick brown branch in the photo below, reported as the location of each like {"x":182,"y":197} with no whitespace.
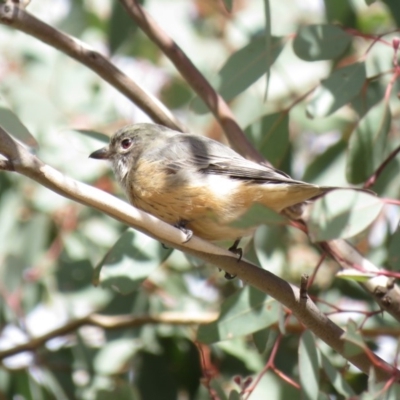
{"x":287,"y":294}
{"x":12,"y":15}
{"x":194,"y":78}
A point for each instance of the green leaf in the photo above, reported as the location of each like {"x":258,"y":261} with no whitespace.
{"x":258,"y":215}
{"x":12,"y":124}
{"x":270,"y":135}
{"x":355,"y":275}
{"x":308,"y":366}
{"x":234,"y":395}
{"x":114,"y":356}
{"x":341,"y":11}
{"x":228,"y":5}
{"x":130,"y":261}
{"x":94,"y":135}
{"x":354,"y":343}
{"x":336,"y":379}
{"x":121,"y":27}
{"x":393,"y":6}
{"x":342,"y":214}
{"x":268,"y":44}
{"x":371,"y":95}
{"x":367,"y":145}
{"x":320,"y":42}
{"x":245,"y":312}
{"x":260,"y":339}
{"x":243,"y":68}
{"x":337,"y":90}
{"x":394,"y":251}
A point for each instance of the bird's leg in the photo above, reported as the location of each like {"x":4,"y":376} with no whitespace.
{"x":235,"y":250}
{"x":181,"y":225}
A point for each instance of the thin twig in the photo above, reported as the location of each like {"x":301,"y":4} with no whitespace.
{"x":12,"y":15}
{"x":194,"y":78}
{"x":111,"y":323}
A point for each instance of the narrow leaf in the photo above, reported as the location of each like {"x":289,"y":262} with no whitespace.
{"x":367,"y":145}
{"x":336,"y":379}
{"x":12,"y":124}
{"x":308,"y":366}
{"x":270,"y":135}
{"x":243,"y":68}
{"x":94,"y":135}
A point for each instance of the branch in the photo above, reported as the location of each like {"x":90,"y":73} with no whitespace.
{"x":195,"y":79}
{"x":287,"y":294}
{"x":12,"y":15}
{"x":382,"y":288}
{"x":111,"y":323}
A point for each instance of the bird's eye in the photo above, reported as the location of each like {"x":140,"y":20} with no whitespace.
{"x":126,"y":143}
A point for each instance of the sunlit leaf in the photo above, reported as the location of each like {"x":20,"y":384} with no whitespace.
{"x":247,"y":311}
{"x":342,"y":214}
{"x":320,"y":42}
{"x":341,"y":86}
{"x":355,"y":275}
{"x":368,"y":144}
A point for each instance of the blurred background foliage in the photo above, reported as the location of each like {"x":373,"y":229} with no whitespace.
{"x":53,"y":250}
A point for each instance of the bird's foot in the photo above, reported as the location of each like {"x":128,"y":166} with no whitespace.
{"x":181,"y":225}
{"x":235,"y":250}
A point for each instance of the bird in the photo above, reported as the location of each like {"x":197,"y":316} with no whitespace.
{"x":197,"y":184}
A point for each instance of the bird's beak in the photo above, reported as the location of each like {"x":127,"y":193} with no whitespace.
{"x":101,"y":154}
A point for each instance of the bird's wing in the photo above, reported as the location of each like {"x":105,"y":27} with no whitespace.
{"x":207,"y":156}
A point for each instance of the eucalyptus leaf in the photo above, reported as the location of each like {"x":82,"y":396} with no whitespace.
{"x":336,"y":378}
{"x":258,"y":215}
{"x":114,"y":356}
{"x":320,"y":42}
{"x":308,"y":366}
{"x":270,"y":135}
{"x":95,"y":135}
{"x":342,"y":214}
{"x":243,"y":68}
{"x":130,"y":261}
{"x":245,"y":312}
{"x":228,"y":5}
{"x":12,"y":124}
{"x":394,"y":251}
{"x":354,"y":343}
{"x":341,"y":86}
{"x":368,"y":144}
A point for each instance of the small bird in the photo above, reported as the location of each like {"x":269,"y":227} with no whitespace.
{"x":195,"y":183}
